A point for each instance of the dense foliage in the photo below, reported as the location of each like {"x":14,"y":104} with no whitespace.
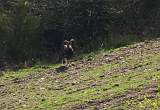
{"x":32,"y":30}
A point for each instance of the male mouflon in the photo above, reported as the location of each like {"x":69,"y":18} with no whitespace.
{"x":67,"y":50}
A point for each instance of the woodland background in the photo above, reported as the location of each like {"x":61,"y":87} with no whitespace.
{"x":33,"y":30}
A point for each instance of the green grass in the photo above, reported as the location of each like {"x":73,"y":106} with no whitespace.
{"x":64,"y":90}
{"x":27,"y":71}
{"x":109,"y":86}
{"x":143,"y":102}
{"x":112,"y":86}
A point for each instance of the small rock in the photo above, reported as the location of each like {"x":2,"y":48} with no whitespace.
{"x":42,"y":88}
{"x":93,"y":85}
{"x":24,"y":105}
{"x":42,"y":78}
{"x":73,"y":64}
{"x":14,"y":94}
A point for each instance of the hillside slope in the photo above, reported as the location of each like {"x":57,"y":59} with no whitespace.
{"x":125,"y":78}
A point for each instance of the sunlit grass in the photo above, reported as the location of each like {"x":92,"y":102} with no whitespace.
{"x":26,"y":71}
{"x":63,"y":90}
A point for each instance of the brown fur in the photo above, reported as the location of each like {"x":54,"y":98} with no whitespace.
{"x":67,"y":51}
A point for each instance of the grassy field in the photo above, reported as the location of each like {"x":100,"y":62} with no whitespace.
{"x":126,"y":78}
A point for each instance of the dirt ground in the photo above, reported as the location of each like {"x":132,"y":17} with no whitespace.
{"x":18,"y":92}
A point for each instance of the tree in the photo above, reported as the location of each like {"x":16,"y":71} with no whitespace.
{"x":22,"y":31}
{"x":88,"y":21}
